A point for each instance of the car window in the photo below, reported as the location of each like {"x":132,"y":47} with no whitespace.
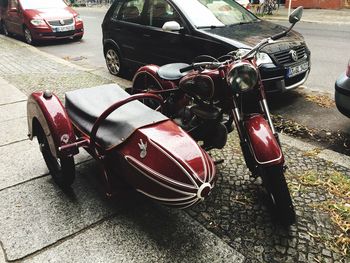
{"x":131,"y":11}
{"x":214,"y":13}
{"x":159,"y":12}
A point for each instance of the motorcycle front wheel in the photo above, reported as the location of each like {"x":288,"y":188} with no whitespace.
{"x":277,"y":189}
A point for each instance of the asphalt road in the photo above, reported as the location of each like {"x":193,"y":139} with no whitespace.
{"x":329,"y":45}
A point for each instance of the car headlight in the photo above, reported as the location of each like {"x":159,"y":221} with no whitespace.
{"x":242,"y":77}
{"x":78,"y":18}
{"x":263,"y":58}
{"x":38,"y":22}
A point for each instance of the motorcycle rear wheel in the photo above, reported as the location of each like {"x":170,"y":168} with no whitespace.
{"x":277,"y":189}
{"x":62,"y":170}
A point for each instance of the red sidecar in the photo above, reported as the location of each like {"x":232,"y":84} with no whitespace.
{"x":132,"y":142}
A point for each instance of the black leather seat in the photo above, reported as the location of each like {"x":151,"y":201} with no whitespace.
{"x":172,"y":71}
{"x":84,"y":106}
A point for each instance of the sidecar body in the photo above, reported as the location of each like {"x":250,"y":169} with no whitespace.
{"x":132,"y":142}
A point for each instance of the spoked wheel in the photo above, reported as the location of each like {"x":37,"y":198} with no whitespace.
{"x":28,"y":36}
{"x":62,"y":170}
{"x":277,"y":189}
{"x":114,"y":61}
{"x":144,"y":84}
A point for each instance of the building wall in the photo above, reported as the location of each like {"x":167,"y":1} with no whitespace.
{"x":325,"y":4}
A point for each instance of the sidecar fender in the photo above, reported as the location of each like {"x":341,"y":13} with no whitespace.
{"x":262,"y":143}
{"x":46,"y":110}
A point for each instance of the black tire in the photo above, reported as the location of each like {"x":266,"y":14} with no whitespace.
{"x":277,"y":189}
{"x":28,"y":37}
{"x":114,"y":61}
{"x":4,"y":29}
{"x":62,"y":170}
{"x":77,"y":38}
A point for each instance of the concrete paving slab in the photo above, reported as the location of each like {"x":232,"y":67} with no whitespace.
{"x":13,"y":131}
{"x":23,"y":161}
{"x":9,"y":93}
{"x":145,"y":233}
{"x":13,"y":111}
{"x":37,"y":214}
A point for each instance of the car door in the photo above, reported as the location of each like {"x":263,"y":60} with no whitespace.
{"x":162,"y":47}
{"x":14,"y":17}
{"x":126,"y":28}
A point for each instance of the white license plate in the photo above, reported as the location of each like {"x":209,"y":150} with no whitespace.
{"x":63,"y":28}
{"x":296,"y":70}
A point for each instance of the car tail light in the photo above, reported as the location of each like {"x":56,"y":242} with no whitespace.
{"x":348,"y":70}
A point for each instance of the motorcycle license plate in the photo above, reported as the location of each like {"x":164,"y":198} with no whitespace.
{"x":63,"y":28}
{"x":296,"y":70}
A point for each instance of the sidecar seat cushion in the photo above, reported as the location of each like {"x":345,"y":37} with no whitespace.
{"x":84,"y":106}
{"x":172,"y":71}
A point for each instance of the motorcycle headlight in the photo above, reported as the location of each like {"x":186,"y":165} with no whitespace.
{"x":242,"y":77}
{"x":37,"y":22}
{"x":263,"y":58}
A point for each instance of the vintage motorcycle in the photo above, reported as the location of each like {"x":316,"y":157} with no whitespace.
{"x":206,"y":97}
{"x":132,"y":143}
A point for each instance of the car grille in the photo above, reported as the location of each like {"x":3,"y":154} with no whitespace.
{"x":57,"y":22}
{"x":283,"y":57}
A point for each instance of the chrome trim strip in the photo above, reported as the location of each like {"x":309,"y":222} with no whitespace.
{"x":165,"y":199}
{"x":178,"y":164}
{"x":164,"y":185}
{"x":159,"y":175}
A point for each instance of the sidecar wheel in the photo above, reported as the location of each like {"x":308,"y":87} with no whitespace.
{"x":277,"y":189}
{"x":62,"y":170}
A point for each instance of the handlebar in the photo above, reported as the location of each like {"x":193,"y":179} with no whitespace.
{"x":200,"y":64}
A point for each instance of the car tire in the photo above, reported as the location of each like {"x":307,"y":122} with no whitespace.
{"x":77,"y":38}
{"x":28,"y":37}
{"x":61,"y":169}
{"x":114,"y":61}
{"x":3,"y":28}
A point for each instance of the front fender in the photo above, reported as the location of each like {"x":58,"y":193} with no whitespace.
{"x":48,"y":112}
{"x":263,"y":144}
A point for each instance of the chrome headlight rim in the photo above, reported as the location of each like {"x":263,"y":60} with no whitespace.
{"x":230,"y":78}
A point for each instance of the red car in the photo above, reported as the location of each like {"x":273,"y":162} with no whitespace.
{"x":40,"y":20}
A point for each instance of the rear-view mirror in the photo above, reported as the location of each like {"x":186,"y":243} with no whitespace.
{"x":296,"y":15}
{"x":171,"y":26}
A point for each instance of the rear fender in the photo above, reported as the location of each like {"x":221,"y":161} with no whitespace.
{"x":149,"y":73}
{"x":46,"y":110}
{"x":263,"y":144}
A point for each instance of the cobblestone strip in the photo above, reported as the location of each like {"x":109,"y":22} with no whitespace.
{"x":237,"y":211}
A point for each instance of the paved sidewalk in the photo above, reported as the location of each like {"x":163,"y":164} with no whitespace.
{"x":340,"y":17}
{"x":39,"y":223}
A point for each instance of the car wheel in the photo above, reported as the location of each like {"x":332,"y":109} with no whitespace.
{"x":114,"y":61}
{"x":61,"y":169}
{"x":4,"y":28}
{"x":28,"y":36}
{"x":77,"y":38}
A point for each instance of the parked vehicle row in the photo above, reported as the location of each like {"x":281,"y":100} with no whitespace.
{"x":139,"y":32}
{"x":40,"y":20}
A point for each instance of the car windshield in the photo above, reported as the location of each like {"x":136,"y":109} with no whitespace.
{"x":42,"y":4}
{"x":214,"y":13}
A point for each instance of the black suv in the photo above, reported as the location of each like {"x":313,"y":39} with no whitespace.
{"x":139,"y":32}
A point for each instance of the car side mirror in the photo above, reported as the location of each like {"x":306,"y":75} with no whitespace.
{"x":296,"y":15}
{"x":171,"y":26}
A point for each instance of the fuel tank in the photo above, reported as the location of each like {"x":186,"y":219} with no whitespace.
{"x":164,"y":163}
